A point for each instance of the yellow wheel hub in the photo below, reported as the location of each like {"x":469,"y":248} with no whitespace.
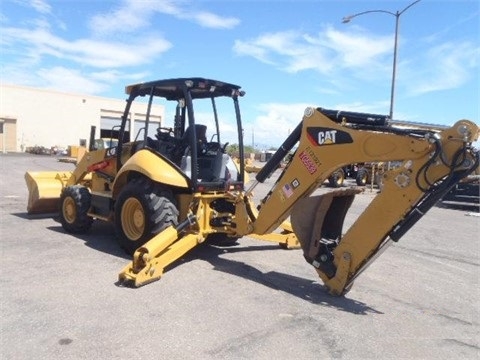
{"x":69,"y":210}
{"x":133,"y":219}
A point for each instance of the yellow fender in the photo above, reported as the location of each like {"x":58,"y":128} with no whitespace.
{"x":153,"y":167}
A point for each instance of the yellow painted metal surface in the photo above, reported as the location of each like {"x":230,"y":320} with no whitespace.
{"x":153,"y":167}
{"x":285,"y":239}
{"x":133,"y":218}
{"x":44,"y":188}
{"x":150,"y":260}
{"x":69,"y":210}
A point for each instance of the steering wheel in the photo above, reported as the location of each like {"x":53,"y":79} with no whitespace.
{"x":212,"y":147}
{"x":215,"y":146}
{"x":164,"y":133}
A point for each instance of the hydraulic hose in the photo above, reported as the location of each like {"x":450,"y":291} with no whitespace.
{"x":282,"y":151}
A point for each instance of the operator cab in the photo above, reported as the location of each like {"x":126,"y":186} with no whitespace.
{"x":186,"y":145}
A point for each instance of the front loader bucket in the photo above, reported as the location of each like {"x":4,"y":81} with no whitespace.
{"x":44,"y":189}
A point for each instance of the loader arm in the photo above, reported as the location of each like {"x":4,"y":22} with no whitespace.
{"x":45,"y":187}
{"x":87,"y":164}
{"x":431,"y":163}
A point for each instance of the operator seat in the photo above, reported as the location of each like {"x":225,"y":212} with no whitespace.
{"x":184,"y":142}
{"x":201,"y":135}
{"x":211,"y":164}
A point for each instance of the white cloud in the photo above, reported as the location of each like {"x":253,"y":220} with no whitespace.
{"x":254,"y":50}
{"x":357,"y":49}
{"x":55,"y":78}
{"x":70,"y":80}
{"x":102,"y":54}
{"x":447,"y":66}
{"x":132,"y":15}
{"x":112,"y":76}
{"x":127,"y":18}
{"x":32,"y":50}
{"x":210,"y":20}
{"x":41,"y":6}
{"x":359,"y":106}
{"x":345,"y":57}
{"x":327,"y":52}
{"x":283,"y":118}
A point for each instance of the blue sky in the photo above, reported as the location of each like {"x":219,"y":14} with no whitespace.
{"x":286,"y":55}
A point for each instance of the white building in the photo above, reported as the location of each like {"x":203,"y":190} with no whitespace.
{"x":38,"y":117}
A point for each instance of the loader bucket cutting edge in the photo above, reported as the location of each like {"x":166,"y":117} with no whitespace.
{"x":44,"y":189}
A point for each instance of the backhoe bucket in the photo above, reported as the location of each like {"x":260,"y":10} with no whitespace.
{"x":44,"y":189}
{"x":316,"y":220}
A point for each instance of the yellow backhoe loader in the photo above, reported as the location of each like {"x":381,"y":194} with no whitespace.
{"x":165,"y":195}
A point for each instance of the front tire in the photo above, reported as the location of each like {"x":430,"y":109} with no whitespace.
{"x":74,"y":205}
{"x":362,"y":177}
{"x":142,"y":210}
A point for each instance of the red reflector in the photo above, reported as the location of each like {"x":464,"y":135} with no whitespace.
{"x":98,"y":166}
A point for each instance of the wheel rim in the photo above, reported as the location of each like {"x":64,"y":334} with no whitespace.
{"x":340,"y":180}
{"x":133,"y":219}
{"x":363,"y":179}
{"x":69,"y":210}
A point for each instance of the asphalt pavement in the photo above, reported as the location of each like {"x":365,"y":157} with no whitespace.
{"x":59,"y":298}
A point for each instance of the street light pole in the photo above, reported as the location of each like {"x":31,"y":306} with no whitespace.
{"x":397,"y":14}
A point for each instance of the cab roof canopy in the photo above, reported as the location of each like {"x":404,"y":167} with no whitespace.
{"x":172,"y":89}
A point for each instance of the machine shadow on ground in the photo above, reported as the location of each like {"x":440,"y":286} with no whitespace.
{"x":101,"y":237}
{"x":301,"y":288}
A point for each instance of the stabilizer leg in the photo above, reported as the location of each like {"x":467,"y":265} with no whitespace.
{"x":150,"y":260}
{"x":286,"y":238}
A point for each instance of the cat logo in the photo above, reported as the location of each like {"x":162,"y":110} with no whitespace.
{"x":326,"y":137}
{"x":320,"y":136}
{"x":111,"y":151}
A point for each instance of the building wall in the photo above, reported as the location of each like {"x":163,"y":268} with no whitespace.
{"x":8,"y":129}
{"x":38,"y":117}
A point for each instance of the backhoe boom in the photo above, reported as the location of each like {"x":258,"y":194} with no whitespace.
{"x":430,"y":164}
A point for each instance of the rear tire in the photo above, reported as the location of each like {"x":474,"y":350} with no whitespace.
{"x":142,"y":210}
{"x":74,"y":205}
{"x":337,"y":179}
{"x":362,"y":177}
